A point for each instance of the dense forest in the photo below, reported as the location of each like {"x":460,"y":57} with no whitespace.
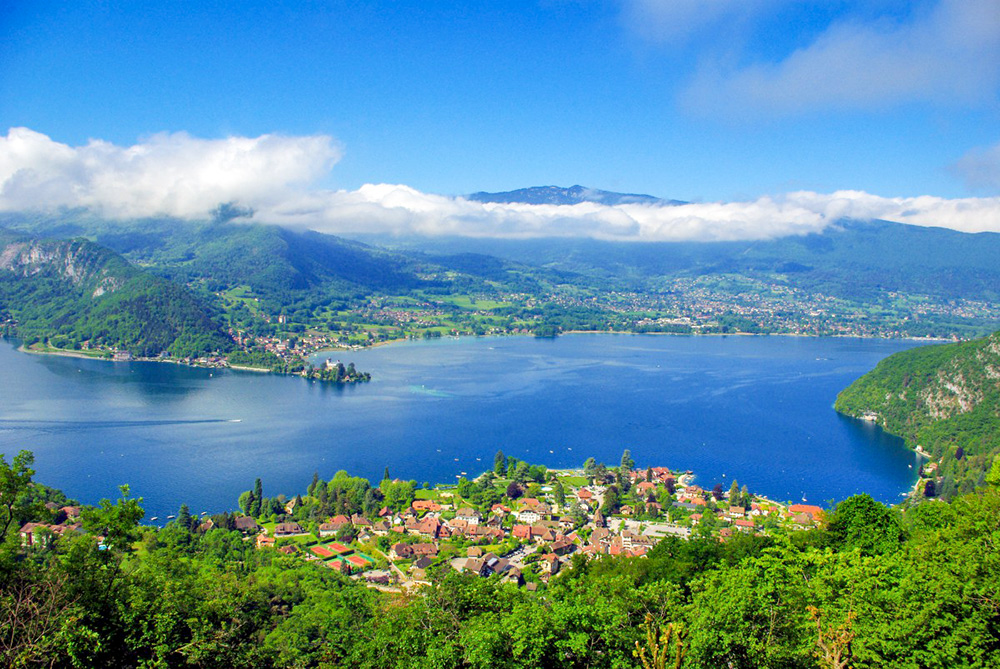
{"x":944,"y":399}
{"x":874,"y":587}
{"x":76,"y":294}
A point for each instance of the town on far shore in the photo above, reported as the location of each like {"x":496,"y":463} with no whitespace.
{"x":523,"y":522}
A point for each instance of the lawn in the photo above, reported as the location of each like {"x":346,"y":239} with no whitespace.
{"x":577,"y":481}
{"x":467,"y":302}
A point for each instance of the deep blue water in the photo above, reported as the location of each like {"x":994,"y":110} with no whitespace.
{"x":757,"y":409}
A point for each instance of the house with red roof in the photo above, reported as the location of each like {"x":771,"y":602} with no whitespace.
{"x":521,"y":532}
{"x":425,"y":505}
{"x":814,"y":511}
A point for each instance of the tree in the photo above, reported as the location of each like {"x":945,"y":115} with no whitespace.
{"x":118,"y":523}
{"x":717,"y":491}
{"x":860,"y":522}
{"x":929,"y":490}
{"x":833,"y":643}
{"x":627,"y":462}
{"x":662,"y":643}
{"x":258,"y":497}
{"x":589,"y":465}
{"x":346,"y":533}
{"x":385,"y":475}
{"x":513,"y":490}
{"x":649,"y":474}
{"x":312,"y":486}
{"x":500,"y":464}
{"x":15,"y":479}
{"x":397,"y":495}
{"x":611,"y":501}
{"x":184,"y":518}
{"x":734,"y":492}
{"x":993,"y":477}
{"x":560,"y":493}
{"x":246,"y":502}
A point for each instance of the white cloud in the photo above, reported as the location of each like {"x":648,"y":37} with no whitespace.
{"x":980,"y":168}
{"x":948,"y":54}
{"x":172,"y":174}
{"x":963,"y":214}
{"x":182,"y":176}
{"x":679,"y":21}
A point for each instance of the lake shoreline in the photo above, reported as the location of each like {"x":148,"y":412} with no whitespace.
{"x":395,"y":342}
{"x":769,"y":400}
{"x":408,"y":340}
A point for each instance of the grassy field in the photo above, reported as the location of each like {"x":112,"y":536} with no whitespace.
{"x":471,"y":303}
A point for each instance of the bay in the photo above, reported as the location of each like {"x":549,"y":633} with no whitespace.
{"x":758,"y":409}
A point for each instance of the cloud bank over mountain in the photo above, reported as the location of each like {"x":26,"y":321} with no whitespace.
{"x":276,"y":176}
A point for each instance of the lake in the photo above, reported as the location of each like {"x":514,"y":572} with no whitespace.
{"x":757,"y":409}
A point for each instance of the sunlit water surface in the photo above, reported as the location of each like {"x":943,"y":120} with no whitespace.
{"x":757,"y":409}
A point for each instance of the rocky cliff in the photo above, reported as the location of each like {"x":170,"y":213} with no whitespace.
{"x":71,"y":293}
{"x":944,"y":399}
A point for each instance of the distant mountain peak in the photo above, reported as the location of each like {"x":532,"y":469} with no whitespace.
{"x":572,"y":195}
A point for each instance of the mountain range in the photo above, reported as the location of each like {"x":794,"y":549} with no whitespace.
{"x":877,"y":277}
{"x":558,"y":195}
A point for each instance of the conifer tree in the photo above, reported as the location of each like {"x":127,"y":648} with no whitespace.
{"x":560,"y":493}
{"x":258,"y":497}
{"x":184,"y":518}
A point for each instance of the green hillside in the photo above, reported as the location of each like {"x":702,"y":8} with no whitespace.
{"x":855,"y":259}
{"x":944,"y":399}
{"x":854,"y":278}
{"x":66,"y":293}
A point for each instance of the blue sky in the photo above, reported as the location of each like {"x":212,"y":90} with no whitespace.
{"x":699,"y":100}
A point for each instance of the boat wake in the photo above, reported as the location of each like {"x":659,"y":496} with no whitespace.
{"x":54,"y":425}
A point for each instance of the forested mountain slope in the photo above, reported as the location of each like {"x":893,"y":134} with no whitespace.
{"x":859,"y":259}
{"x":945,"y":399}
{"x":73,"y":291}
{"x":285,"y":267}
{"x":868,"y":278}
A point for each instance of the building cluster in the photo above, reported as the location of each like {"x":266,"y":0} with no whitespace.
{"x":536,"y":533}
{"x":285,"y":347}
{"x":66,"y":520}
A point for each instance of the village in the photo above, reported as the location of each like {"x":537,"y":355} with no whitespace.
{"x":525,"y":524}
